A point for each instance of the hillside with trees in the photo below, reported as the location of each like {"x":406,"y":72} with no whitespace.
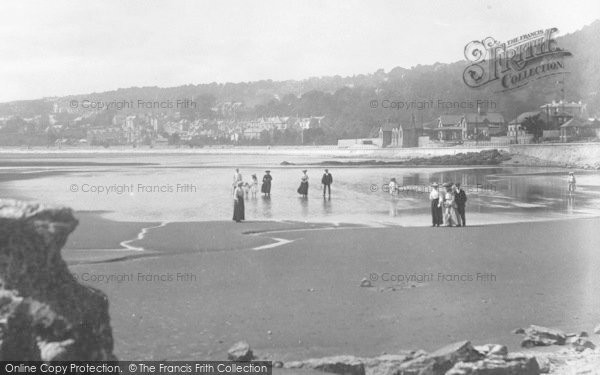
{"x":344,"y":101}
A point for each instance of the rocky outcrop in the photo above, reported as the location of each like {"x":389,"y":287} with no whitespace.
{"x":509,"y":365}
{"x":442,"y":360}
{"x":460,"y":358}
{"x":389,"y":363}
{"x":542,"y":336}
{"x":45,"y":314}
{"x":343,"y":365}
{"x":240,"y":351}
{"x":581,"y":343}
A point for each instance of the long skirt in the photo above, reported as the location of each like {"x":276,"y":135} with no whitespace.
{"x":450,"y":218}
{"x":238,"y":209}
{"x":303,"y":189}
{"x":266,"y":187}
{"x":436,"y":212}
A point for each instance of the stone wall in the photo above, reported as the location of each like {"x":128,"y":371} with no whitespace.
{"x":580,"y":155}
{"x":45,"y":314}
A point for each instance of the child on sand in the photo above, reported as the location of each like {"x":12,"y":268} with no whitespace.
{"x":254,"y":186}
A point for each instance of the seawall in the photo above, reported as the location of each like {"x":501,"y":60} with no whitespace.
{"x":577,"y":155}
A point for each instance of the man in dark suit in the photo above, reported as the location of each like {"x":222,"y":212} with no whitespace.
{"x":461,"y":201}
{"x":327,"y":180}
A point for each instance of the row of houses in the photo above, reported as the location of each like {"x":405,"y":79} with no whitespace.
{"x":446,"y":128}
{"x":465,"y":127}
{"x":139,"y":129}
{"x":563,"y":121}
{"x":253,"y":129}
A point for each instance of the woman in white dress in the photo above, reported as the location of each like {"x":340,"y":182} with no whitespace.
{"x":303,"y":189}
{"x":448,"y":205}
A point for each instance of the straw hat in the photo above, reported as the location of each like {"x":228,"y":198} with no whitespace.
{"x":435,"y":184}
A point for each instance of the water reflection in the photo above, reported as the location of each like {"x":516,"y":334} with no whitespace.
{"x":570,"y":203}
{"x":327,"y":209}
{"x":304,"y":205}
{"x":266,"y":207}
{"x":393,"y":206}
{"x":359,"y":193}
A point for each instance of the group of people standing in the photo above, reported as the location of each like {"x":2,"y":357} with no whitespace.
{"x":243,"y":189}
{"x":326,"y":181}
{"x":448,"y":205}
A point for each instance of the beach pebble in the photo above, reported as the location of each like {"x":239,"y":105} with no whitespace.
{"x":519,"y":331}
{"x":597,"y":329}
{"x":240,"y":351}
{"x":366,"y":283}
{"x":277,"y":364}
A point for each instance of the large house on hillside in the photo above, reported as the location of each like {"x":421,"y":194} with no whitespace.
{"x":467,"y":126}
{"x":558,"y":113}
{"x":516,"y":131}
{"x":487,"y":124}
{"x":448,"y":127}
{"x":254,"y":128}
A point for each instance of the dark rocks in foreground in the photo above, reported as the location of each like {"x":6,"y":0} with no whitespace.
{"x":542,"y":336}
{"x":460,"y":358}
{"x":581,"y":343}
{"x":509,"y":365}
{"x":45,"y":314}
{"x":343,"y":365}
{"x":240,"y":351}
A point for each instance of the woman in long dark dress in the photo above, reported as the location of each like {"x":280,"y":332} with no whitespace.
{"x":238,"y":203}
{"x":266,"y":185}
{"x":303,"y":189}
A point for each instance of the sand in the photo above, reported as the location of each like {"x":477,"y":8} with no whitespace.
{"x":212,"y":289}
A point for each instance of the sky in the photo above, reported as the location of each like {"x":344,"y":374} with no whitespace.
{"x":57,"y":48}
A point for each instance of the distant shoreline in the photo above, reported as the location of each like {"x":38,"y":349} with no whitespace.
{"x":571,"y":155}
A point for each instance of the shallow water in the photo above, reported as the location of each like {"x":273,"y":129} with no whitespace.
{"x":198,"y":188}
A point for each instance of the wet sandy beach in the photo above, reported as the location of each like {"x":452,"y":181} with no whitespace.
{"x":207,"y":285}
